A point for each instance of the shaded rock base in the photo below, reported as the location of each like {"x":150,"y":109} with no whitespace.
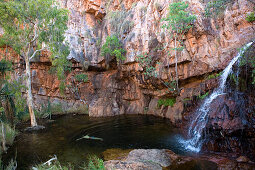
{"x":156,"y":159}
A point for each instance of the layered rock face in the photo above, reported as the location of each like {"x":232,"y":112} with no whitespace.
{"x":232,"y":121}
{"x":123,"y":88}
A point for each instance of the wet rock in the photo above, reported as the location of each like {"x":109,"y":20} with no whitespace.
{"x":230,"y":126}
{"x":223,"y":115}
{"x":115,"y":154}
{"x":153,"y":159}
{"x":143,"y":159}
{"x":242,"y":159}
{"x":34,"y":128}
{"x":161,"y":157}
{"x":231,"y":164}
{"x":194,"y":164}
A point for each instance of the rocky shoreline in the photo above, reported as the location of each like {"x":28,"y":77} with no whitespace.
{"x":152,"y":159}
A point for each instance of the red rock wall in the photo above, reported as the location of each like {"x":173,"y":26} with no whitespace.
{"x":209,"y":47}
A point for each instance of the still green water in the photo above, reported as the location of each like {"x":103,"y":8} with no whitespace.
{"x":60,"y":138}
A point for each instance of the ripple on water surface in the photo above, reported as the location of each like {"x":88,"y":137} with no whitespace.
{"x":125,"y":132}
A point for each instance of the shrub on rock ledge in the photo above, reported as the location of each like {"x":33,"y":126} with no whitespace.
{"x":113,"y":48}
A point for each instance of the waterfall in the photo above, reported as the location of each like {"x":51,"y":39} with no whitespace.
{"x":194,"y":143}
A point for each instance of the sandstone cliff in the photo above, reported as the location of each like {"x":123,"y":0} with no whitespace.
{"x":123,"y":89}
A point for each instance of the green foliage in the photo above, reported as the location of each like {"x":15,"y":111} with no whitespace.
{"x":171,"y":85}
{"x":56,"y":108}
{"x":16,"y":89}
{"x":215,"y":7}
{"x":23,"y":115}
{"x":166,"y":102}
{"x":234,"y":78}
{"x":95,"y":163}
{"x":26,"y":21}
{"x":11,"y":91}
{"x":11,"y":166}
{"x":34,"y":25}
{"x":62,"y":87}
{"x":186,"y":99}
{"x":113,"y":48}
{"x":5,"y":66}
{"x":146,"y":62}
{"x":213,"y":76}
{"x":82,"y":78}
{"x":251,"y":16}
{"x":179,"y":20}
{"x":248,"y":59}
{"x":201,"y":97}
{"x":49,"y":109}
{"x":54,"y":165}
{"x":45,"y":111}
{"x":82,"y":109}
{"x":10,"y":134}
{"x":60,"y":66}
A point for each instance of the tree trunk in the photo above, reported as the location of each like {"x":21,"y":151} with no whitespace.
{"x":3,"y":138}
{"x":176,"y":64}
{"x":29,"y":93}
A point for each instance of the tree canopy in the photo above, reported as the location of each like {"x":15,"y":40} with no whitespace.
{"x":33,"y":23}
{"x":32,"y":26}
{"x":178,"y":22}
{"x":113,"y":48}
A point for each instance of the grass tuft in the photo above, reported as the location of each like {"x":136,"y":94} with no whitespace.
{"x":81,"y":78}
{"x":166,"y":102}
{"x":54,"y":165}
{"x":95,"y":163}
{"x":10,"y":134}
{"x":82,"y":109}
{"x":201,"y":97}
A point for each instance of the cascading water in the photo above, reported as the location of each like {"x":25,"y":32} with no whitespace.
{"x":194,"y":143}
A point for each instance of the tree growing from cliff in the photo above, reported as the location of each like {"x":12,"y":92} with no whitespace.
{"x":251,"y":16}
{"x":33,"y":26}
{"x":113,"y":48}
{"x":178,"y":22}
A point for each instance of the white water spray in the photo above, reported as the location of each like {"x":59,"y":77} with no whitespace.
{"x":194,"y":143}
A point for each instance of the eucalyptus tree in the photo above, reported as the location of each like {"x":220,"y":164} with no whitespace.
{"x":30,"y":27}
{"x":178,"y":22}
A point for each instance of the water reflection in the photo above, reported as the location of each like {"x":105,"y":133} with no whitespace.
{"x":125,"y":132}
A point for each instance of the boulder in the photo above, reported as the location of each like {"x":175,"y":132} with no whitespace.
{"x":154,"y":159}
{"x":137,"y":159}
{"x":158,"y":156}
{"x":242,"y":159}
